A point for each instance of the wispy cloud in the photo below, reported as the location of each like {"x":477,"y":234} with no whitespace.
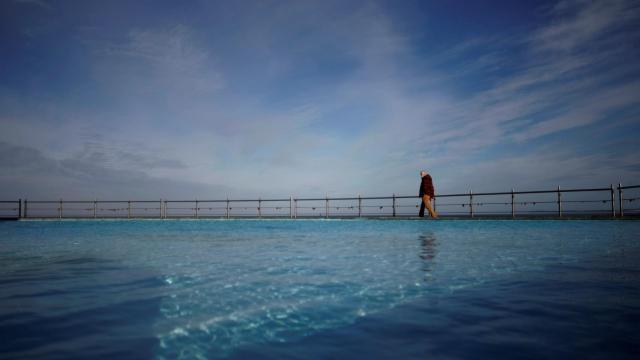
{"x":307,"y":99}
{"x":552,"y":88}
{"x":29,"y":173}
{"x":578,"y":22}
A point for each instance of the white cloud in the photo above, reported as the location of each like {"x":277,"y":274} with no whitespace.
{"x":590,"y":109}
{"x":172,"y":108}
{"x":579,"y":22}
{"x":580,"y":82}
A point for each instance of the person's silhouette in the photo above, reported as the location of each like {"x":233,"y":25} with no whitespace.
{"x":426,"y":194}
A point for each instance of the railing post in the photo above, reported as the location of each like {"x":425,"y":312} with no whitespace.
{"x":359,"y":206}
{"x":613,"y":202}
{"x":25,"y":208}
{"x":559,"y":202}
{"x":326,"y":207}
{"x":60,"y":210}
{"x":260,"y":208}
{"x":227,"y":208}
{"x":95,"y":208}
{"x":394,"y":205}
{"x":196,"y":208}
{"x":620,"y":200}
{"x":471,"y":202}
{"x":19,"y":208}
{"x":513,"y":206}
{"x":128,"y":209}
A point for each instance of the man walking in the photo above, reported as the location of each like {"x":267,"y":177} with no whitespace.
{"x":426,"y":194}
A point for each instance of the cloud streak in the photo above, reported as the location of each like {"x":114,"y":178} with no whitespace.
{"x":313,"y":99}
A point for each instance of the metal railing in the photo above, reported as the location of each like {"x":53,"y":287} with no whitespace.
{"x":605,"y":202}
{"x":10,"y":209}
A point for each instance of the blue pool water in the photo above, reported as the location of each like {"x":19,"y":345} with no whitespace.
{"x":319,"y":289}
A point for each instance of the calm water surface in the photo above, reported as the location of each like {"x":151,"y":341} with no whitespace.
{"x":320,"y":289}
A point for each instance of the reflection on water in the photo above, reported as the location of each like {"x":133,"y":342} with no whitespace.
{"x":354,"y":289}
{"x":428,"y":245}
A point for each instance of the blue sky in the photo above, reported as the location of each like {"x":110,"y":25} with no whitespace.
{"x":168,"y":99}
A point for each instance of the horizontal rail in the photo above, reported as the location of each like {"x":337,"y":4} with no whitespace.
{"x":93,"y":201}
{"x":342,"y":198}
{"x":304,"y":207}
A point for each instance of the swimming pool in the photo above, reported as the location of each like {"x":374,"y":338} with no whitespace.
{"x":319,"y":289}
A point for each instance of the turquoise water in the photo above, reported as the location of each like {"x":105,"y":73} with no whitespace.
{"x":319,"y":289}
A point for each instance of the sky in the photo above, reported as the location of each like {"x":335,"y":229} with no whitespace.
{"x":206,"y":99}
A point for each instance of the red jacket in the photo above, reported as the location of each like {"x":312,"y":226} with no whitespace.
{"x":426,"y":186}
